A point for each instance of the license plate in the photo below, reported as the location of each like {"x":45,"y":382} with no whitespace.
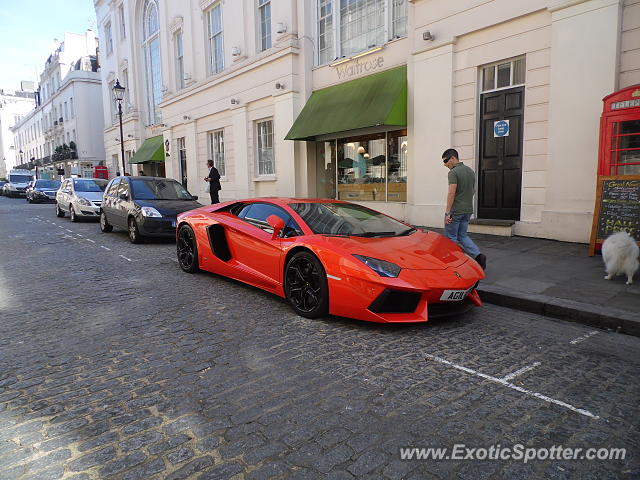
{"x":173,"y":224}
{"x":454,"y":295}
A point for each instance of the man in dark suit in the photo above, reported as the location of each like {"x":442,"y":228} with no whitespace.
{"x":214,"y":182}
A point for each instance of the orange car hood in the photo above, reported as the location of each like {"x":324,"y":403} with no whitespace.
{"x":418,"y":251}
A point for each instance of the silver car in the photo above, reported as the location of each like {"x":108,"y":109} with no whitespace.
{"x":80,"y":197}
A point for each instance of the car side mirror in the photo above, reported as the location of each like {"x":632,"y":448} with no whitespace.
{"x":277,"y":224}
{"x":195,"y":197}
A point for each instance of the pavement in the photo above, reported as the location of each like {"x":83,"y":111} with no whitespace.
{"x":557,"y":279}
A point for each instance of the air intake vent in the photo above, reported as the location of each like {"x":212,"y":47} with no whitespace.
{"x":395,"y":301}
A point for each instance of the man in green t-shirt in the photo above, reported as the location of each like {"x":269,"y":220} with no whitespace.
{"x":462,"y":183}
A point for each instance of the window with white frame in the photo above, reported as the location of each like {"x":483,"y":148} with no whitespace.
{"x":505,"y":74}
{"x":264,"y":145}
{"x":264,"y":11}
{"x":125,"y":84}
{"x":151,"y":50}
{"x":123,"y":31}
{"x":112,"y":102}
{"x":399,"y":18}
{"x":109,"y":38}
{"x":71,"y":108}
{"x":179,"y":60}
{"x":214,"y":39}
{"x":325,"y":31}
{"x":216,"y":150}
{"x":347,"y":27}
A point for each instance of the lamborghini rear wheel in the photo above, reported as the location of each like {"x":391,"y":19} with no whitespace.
{"x":187,"y":249}
{"x":305,"y":284}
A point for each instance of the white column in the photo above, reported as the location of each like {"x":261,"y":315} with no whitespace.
{"x":584,"y":66}
{"x":241,"y":146}
{"x":284,"y":149}
{"x":430,"y":127}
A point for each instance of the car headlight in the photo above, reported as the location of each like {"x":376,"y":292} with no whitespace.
{"x":84,"y":201}
{"x":150,"y":212}
{"x":381,"y":267}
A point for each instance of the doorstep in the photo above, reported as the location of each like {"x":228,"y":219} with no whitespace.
{"x":488,"y":226}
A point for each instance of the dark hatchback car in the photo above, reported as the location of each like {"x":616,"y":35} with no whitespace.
{"x":42,"y":191}
{"x":145,"y":206}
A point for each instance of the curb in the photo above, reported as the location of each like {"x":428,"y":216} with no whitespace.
{"x":593,"y":315}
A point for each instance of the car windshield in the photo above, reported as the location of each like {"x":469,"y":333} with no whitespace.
{"x":348,"y":219}
{"x":50,"y":184}
{"x":158,"y":189}
{"x":19,"y":178}
{"x":89,"y":185}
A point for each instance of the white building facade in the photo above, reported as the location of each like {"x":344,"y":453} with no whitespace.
{"x":14,"y":105}
{"x":357,"y":100}
{"x":65,"y":130}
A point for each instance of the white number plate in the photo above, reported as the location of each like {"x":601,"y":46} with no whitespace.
{"x":454,"y":295}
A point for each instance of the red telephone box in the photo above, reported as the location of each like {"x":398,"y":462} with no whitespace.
{"x":620,"y":133}
{"x":100,"y":171}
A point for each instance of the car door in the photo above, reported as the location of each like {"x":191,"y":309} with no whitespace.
{"x":63,"y":196}
{"x":108,"y":200}
{"x":250,"y":240}
{"x":121,"y":203}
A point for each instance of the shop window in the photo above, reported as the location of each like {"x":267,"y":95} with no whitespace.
{"x":326,"y":169}
{"x":369,"y":168}
{"x":216,"y":150}
{"x":264,"y":134}
{"x":503,"y":75}
{"x":625,"y":148}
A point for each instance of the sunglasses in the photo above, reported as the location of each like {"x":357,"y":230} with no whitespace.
{"x":445,"y":160}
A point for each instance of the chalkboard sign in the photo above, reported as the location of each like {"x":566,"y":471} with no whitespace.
{"x":617,"y":208}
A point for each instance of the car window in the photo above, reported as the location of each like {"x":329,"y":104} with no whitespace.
{"x":123,"y":188}
{"x":52,"y":184}
{"x":65,"y":185}
{"x":113,"y":187}
{"x":156,"y":189}
{"x":257,"y":213}
{"x":87,"y":185}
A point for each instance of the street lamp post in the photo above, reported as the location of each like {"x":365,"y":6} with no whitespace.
{"x":118,"y":94}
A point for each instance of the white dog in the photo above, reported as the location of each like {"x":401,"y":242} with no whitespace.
{"x":620,"y":255}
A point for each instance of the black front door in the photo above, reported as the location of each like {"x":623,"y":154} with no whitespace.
{"x":500,"y":176}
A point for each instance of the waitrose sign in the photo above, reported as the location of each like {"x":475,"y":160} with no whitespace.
{"x":358,"y":67}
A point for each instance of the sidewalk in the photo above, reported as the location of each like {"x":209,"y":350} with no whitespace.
{"x":557,"y":279}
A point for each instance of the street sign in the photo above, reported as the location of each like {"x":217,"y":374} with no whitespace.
{"x":501,"y":128}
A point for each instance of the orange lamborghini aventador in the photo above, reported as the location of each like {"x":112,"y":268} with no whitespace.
{"x":331,"y":257}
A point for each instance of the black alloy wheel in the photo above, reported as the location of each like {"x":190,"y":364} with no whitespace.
{"x":134,"y":232}
{"x":305,"y":285}
{"x":105,"y":227}
{"x":187,"y":250}
{"x":59,"y":212}
{"x":72,"y":214}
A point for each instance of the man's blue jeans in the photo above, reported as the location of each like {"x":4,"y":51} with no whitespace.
{"x":457,"y":231}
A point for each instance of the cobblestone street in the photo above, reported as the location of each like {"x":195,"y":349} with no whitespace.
{"x":116,"y":364}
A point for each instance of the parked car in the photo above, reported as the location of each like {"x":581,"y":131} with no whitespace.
{"x":145,"y":206}
{"x":331,"y":257}
{"x":2,"y":184}
{"x":18,"y":181}
{"x":80,"y":197}
{"x":42,"y":191}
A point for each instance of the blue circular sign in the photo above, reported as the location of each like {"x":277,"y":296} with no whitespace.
{"x":501,"y":128}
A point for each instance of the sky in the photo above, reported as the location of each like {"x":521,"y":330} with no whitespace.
{"x":27,"y":32}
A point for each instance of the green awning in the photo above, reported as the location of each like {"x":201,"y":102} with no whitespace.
{"x":379,"y":99}
{"x":151,"y":150}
